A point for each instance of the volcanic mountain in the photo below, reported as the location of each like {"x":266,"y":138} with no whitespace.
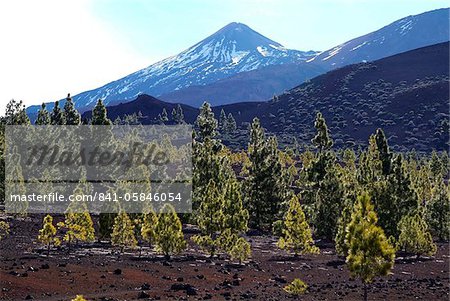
{"x":233,"y":49}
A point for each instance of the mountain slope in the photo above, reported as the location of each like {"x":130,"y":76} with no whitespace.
{"x":405,"y":34}
{"x":253,"y":85}
{"x":238,"y":64}
{"x":406,"y":95}
{"x":233,"y":49}
{"x":150,"y":107}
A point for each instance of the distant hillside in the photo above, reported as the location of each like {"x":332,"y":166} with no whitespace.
{"x":406,"y":34}
{"x":407,"y":95}
{"x":150,"y":108}
{"x":237,"y":64}
{"x":253,"y":85}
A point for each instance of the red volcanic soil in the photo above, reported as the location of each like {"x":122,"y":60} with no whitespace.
{"x":98,"y":274}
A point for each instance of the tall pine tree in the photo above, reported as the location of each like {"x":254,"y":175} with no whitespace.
{"x":43,"y":117}
{"x":70,"y":113}
{"x":383,"y":150}
{"x":99,"y":115}
{"x":57,"y":115}
{"x":369,"y":252}
{"x":265,"y":187}
{"x":322,"y":140}
{"x":438,"y":211}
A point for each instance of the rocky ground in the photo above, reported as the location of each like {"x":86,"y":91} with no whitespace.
{"x":99,"y":274}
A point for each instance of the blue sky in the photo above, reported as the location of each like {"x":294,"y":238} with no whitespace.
{"x":162,"y":27}
{"x":52,"y":47}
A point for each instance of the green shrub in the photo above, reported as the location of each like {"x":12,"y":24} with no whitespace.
{"x":296,"y":287}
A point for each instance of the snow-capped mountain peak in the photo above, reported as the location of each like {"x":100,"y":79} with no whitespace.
{"x":232,"y":49}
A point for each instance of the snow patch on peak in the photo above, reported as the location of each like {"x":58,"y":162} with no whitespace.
{"x":281,"y":48}
{"x":407,"y":26}
{"x":263,"y":51}
{"x":359,"y":46}
{"x":333,"y":52}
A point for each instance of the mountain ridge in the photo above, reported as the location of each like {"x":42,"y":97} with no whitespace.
{"x":406,"y":95}
{"x":411,"y":32}
{"x":232,"y":49}
{"x":216,"y":68}
{"x":424,"y":29}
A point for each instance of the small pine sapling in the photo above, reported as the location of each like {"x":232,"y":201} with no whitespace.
{"x":47,"y":235}
{"x":296,"y":232}
{"x":240,"y":250}
{"x":4,"y":230}
{"x":296,"y":287}
{"x":123,"y":232}
{"x":169,"y":234}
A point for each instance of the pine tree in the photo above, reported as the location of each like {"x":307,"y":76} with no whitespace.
{"x":296,"y":287}
{"x":123,"y":232}
{"x":78,"y":222}
{"x":206,"y":123}
{"x":445,"y":163}
{"x":99,"y":115}
{"x":15,"y":113}
{"x":435,"y":165}
{"x":296,"y":232}
{"x":4,"y":230}
{"x":329,"y":203}
{"x":414,"y":236}
{"x":57,"y":115}
{"x":78,"y":227}
{"x":169,"y":234}
{"x":343,"y":222}
{"x":208,"y":161}
{"x":149,"y":223}
{"x":223,"y":122}
{"x":241,"y":250}
{"x":164,"y":117}
{"x":265,"y":187}
{"x":70,"y":113}
{"x":47,"y":235}
{"x":180,"y":115}
{"x":322,"y":140}
{"x":369,"y":252}
{"x":383,"y":150}
{"x":370,"y":167}
{"x":438,"y":211}
{"x":221,"y":218}
{"x":235,"y":215}
{"x":210,"y":219}
{"x":177,"y":115}
{"x":174,"y":115}
{"x":43,"y":117}
{"x":15,"y":182}
{"x":231,"y":124}
{"x":403,"y":195}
